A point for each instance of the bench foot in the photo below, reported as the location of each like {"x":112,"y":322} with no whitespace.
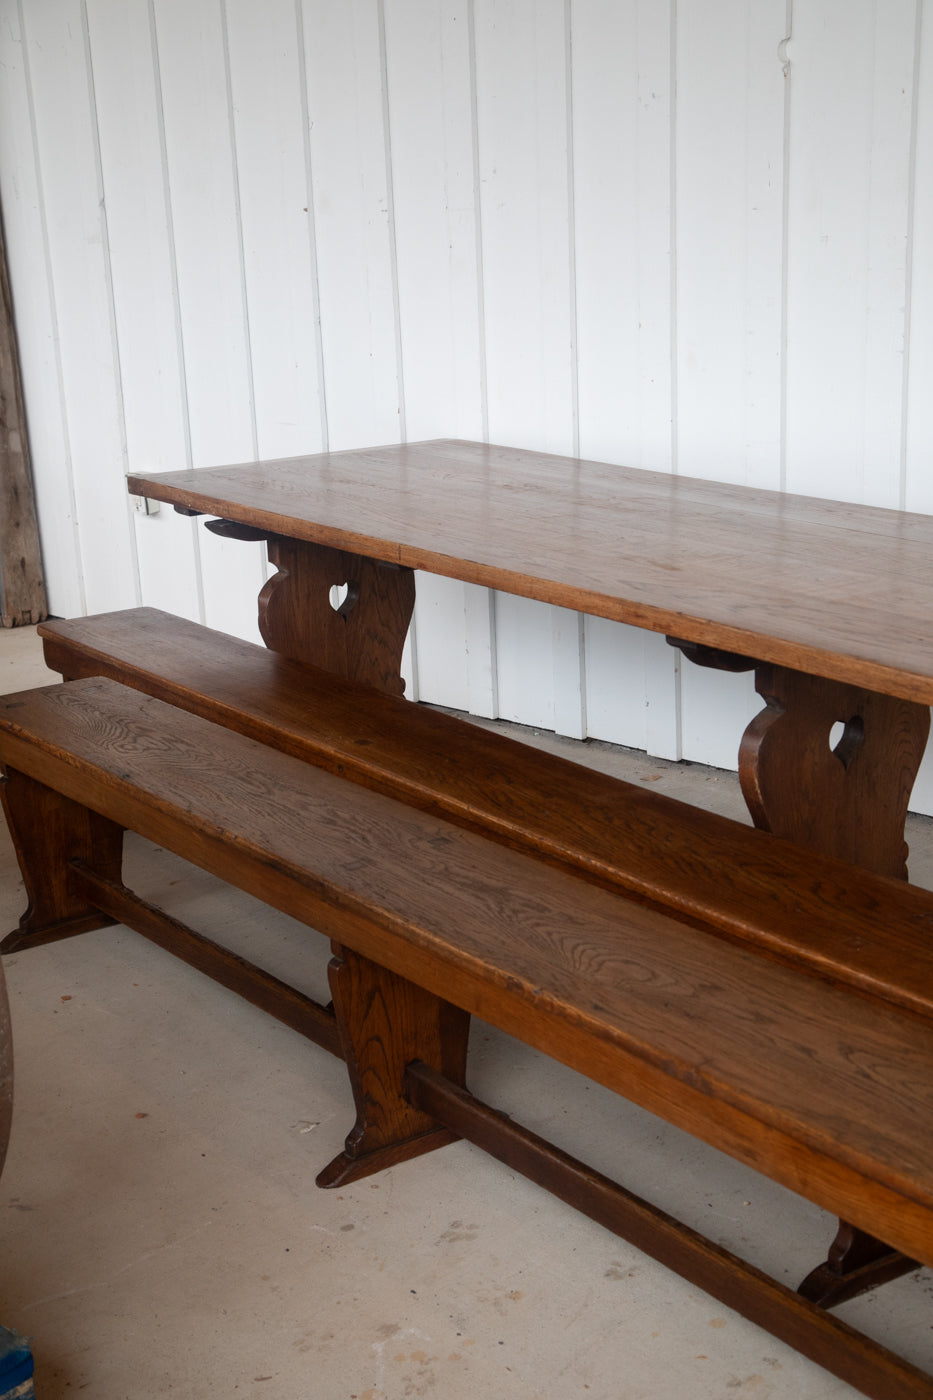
{"x":48,"y":831}
{"x":32,"y":934}
{"x":386,"y":1022}
{"x":857,"y":1262}
{"x":345,"y":1169}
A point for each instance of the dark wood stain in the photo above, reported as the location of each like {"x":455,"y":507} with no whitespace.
{"x":837,"y":590}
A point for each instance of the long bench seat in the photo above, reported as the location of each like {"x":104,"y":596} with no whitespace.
{"x":712,"y":872}
{"x":822,"y":1087}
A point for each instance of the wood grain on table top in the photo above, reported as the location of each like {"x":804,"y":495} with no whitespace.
{"x":839,"y":590}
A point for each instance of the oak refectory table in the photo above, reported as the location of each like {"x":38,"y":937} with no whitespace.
{"x":830,"y":604}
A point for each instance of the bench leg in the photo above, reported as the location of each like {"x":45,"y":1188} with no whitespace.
{"x":385,"y":1023}
{"x":48,"y":832}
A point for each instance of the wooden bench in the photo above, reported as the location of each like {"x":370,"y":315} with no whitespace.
{"x":790,"y":901}
{"x":814,"y":1084}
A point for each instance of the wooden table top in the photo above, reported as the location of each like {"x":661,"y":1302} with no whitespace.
{"x":838,"y":590}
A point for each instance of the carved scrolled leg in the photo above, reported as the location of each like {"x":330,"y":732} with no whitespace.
{"x":48,"y":832}
{"x":385,"y":1023}
{"x":844,"y":793}
{"x":832,"y":766}
{"x":361,"y":638}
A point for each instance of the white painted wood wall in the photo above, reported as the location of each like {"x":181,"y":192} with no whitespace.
{"x":695,"y":237}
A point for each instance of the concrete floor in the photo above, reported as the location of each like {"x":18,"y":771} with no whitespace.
{"x":162,"y":1234}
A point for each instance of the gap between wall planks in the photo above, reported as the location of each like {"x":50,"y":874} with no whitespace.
{"x":22,"y":589}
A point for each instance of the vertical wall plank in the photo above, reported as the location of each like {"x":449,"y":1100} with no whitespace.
{"x":918,"y":409}
{"x":730,"y":122}
{"x":66,"y":133}
{"x":622,"y":199}
{"x":440,"y":637}
{"x":716,"y":708}
{"x":429,"y":104}
{"x":145,"y":303}
{"x":482,"y":663}
{"x":430,"y":113}
{"x":276,"y":217}
{"x":524,"y":165}
{"x":522,"y":108}
{"x":621,"y":68}
{"x":919,"y":378}
{"x":894,"y":49}
{"x":568,"y":644}
{"x":27,"y":256}
{"x":852,"y":77}
{"x":524,"y":661}
{"x":348,"y":163}
{"x":204,"y":201}
{"x":729,"y":222}
{"x":204,"y":194}
{"x":632,"y":688}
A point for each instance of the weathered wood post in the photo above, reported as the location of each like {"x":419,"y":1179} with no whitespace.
{"x":22,"y":590}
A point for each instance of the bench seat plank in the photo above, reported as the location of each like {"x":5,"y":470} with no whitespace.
{"x":714,"y":872}
{"x":819,"y":1087}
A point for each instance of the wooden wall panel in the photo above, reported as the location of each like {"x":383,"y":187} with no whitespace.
{"x":918,"y":415}
{"x":918,"y":344}
{"x":622,"y":72}
{"x":729,"y":183}
{"x":521,"y":65}
{"x":622,"y":133}
{"x":525,"y":636}
{"x":351,"y":201}
{"x":729,"y":173}
{"x":204,"y":199}
{"x":523,"y":85}
{"x":76,"y":232}
{"x":429,"y":114}
{"x":852,"y":66}
{"x":277,"y":222}
{"x":671,"y":235}
{"x":142,"y":273}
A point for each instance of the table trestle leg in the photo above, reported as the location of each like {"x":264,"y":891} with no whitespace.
{"x":360,"y":634}
{"x":832,"y":766}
